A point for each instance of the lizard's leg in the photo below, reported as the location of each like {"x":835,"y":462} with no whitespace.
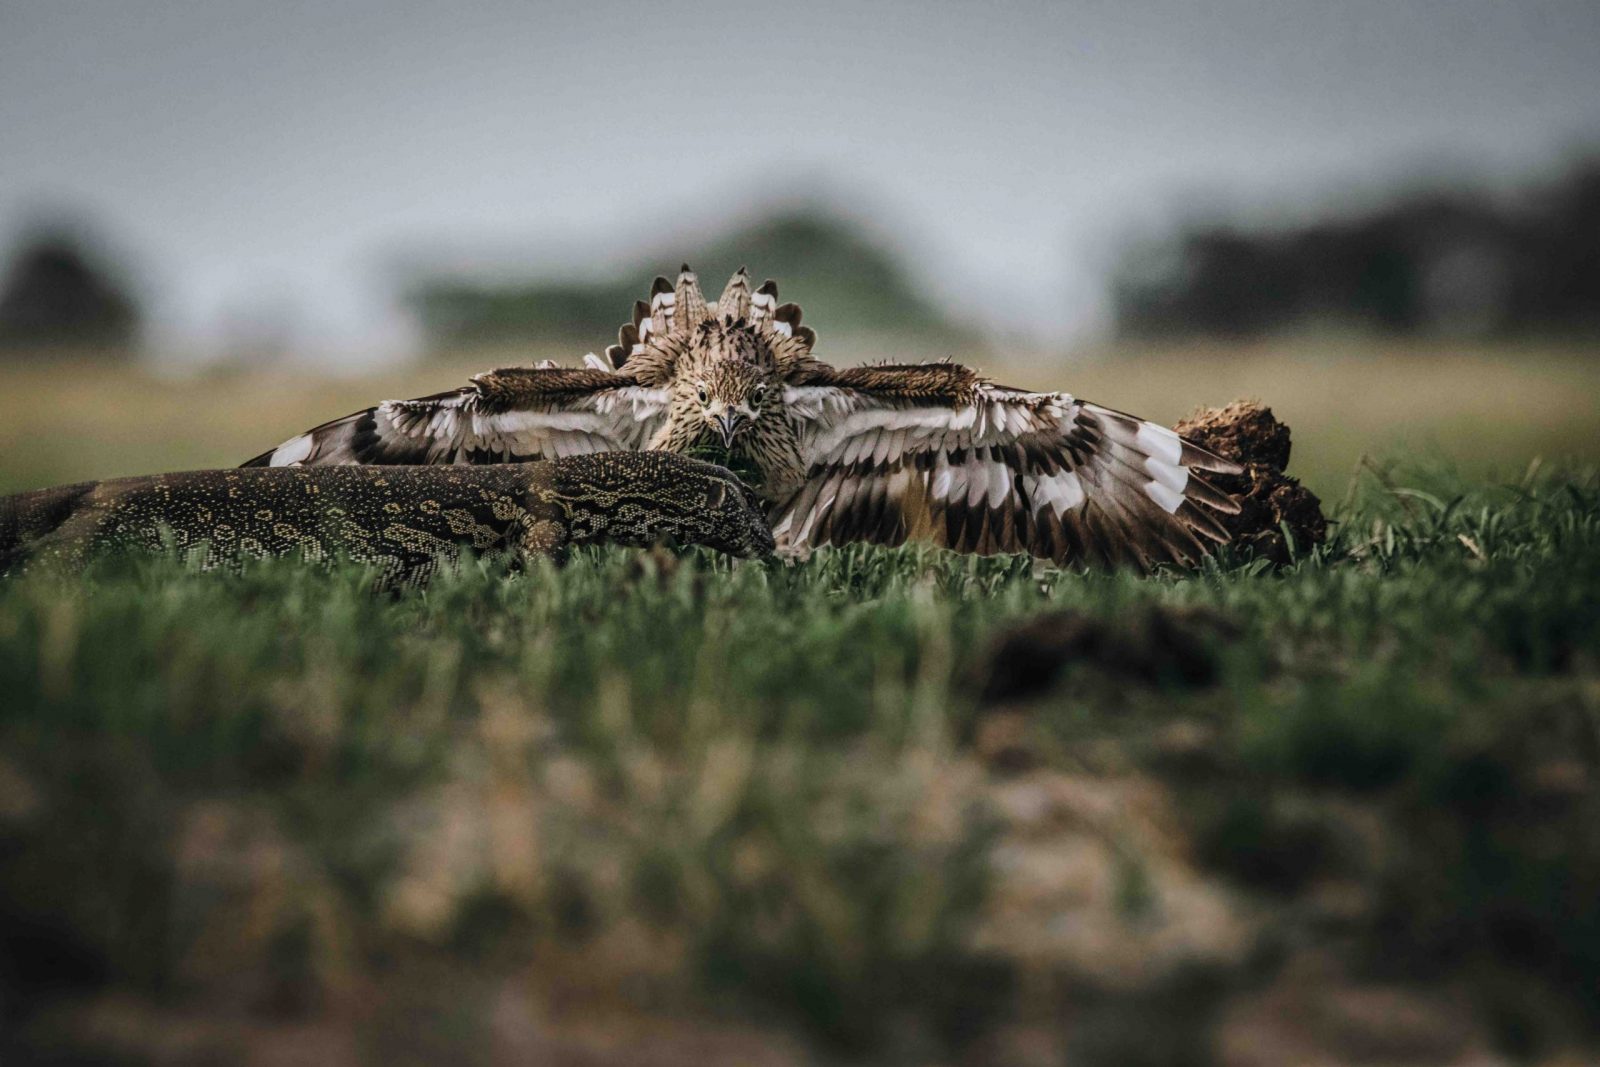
{"x":541,"y":534}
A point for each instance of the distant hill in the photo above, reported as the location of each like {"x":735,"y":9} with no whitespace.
{"x":849,"y":286}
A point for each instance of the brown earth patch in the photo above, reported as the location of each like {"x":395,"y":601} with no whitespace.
{"x":1151,"y":645}
{"x":1274,"y":508}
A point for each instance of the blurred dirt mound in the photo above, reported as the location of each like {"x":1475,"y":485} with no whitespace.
{"x":1152,"y":646}
{"x":1270,"y":501}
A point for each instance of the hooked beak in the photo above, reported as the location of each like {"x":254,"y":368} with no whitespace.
{"x":726,"y":424}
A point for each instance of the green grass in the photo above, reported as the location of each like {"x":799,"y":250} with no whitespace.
{"x":718,"y":791}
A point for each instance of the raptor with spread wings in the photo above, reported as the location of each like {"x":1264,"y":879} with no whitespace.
{"x":883,"y":454}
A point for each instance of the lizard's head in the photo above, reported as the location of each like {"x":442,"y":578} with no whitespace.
{"x":728,"y":381}
{"x":730,"y":516}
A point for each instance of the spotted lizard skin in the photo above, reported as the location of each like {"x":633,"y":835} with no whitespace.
{"x":408,"y":521}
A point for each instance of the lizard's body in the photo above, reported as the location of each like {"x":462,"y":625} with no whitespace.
{"x":405,"y":520}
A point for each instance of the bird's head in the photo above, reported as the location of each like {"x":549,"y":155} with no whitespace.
{"x":729,"y":382}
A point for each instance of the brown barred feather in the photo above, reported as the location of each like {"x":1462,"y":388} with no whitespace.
{"x":663,"y":302}
{"x":734,"y":303}
{"x":509,"y":388}
{"x":942,"y":383}
{"x":691,"y":303}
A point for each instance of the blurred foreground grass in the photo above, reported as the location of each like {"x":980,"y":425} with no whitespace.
{"x":886,"y":805}
{"x":1490,"y":409}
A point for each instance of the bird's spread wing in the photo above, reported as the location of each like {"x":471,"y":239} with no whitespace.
{"x":935,"y":453}
{"x":504,"y":416}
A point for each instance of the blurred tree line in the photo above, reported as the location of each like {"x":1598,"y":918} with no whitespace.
{"x":57,"y":294}
{"x":1441,"y":261}
{"x":847,"y":284}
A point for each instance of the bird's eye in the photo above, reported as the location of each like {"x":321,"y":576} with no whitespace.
{"x":700,"y":391}
{"x":758,"y":393}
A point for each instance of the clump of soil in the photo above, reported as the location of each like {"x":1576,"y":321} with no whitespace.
{"x":1270,"y":501}
{"x":1150,"y":646}
{"x":655,"y":565}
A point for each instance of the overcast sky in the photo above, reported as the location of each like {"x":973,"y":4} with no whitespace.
{"x":268,"y":158}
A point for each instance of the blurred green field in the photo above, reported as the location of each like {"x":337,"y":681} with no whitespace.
{"x":883,"y":806}
{"x":1489,"y":409}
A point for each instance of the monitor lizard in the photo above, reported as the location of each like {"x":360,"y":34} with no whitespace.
{"x":405,"y":520}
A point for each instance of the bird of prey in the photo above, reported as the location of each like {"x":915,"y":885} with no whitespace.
{"x":882,"y":454}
